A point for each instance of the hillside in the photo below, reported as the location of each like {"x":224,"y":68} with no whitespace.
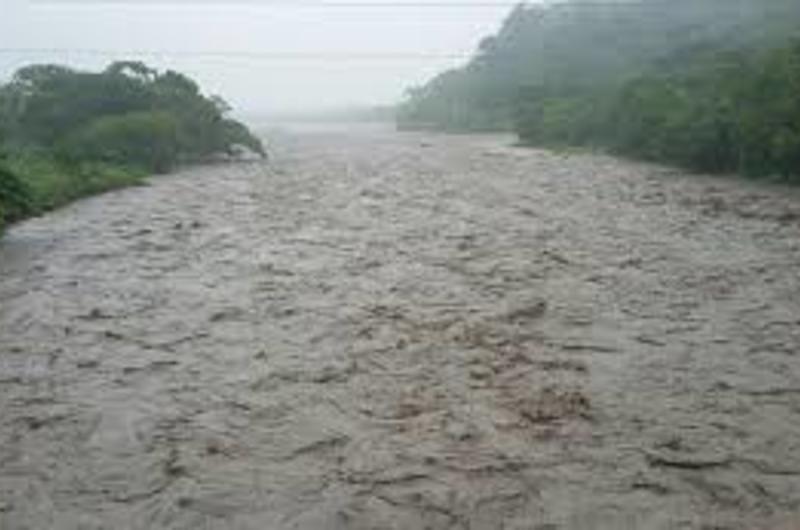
{"x":568,"y":73}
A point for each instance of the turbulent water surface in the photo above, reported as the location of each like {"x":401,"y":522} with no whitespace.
{"x":397,"y":331}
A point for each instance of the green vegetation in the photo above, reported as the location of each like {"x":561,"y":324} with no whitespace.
{"x":67,"y":133}
{"x":49,"y":181}
{"x":14,"y":197}
{"x":146,"y":138}
{"x":710,"y":85}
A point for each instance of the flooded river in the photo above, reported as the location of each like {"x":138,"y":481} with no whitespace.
{"x":376,"y":330}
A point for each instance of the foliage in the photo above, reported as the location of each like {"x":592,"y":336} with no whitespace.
{"x":731,"y":112}
{"x":72,"y":133}
{"x":145,"y":138}
{"x":707,"y":84}
{"x":51,"y":182}
{"x":44,"y":105}
{"x":14,"y":196}
{"x":235,"y":133}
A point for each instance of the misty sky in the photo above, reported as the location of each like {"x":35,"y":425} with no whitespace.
{"x":302,"y":50}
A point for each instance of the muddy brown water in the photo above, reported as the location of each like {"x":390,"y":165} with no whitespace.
{"x":378,"y":330}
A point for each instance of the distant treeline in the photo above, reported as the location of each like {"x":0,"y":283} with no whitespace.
{"x":711,"y":85}
{"x":65,"y":134}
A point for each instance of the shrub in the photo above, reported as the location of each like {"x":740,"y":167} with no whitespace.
{"x":14,"y":196}
{"x":76,"y":133}
{"x":731,"y":112}
{"x":144,"y":139}
{"x":50,"y":182}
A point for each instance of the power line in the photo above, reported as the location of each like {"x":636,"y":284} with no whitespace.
{"x":322,"y":4}
{"x":277,"y":5}
{"x":238,"y":54}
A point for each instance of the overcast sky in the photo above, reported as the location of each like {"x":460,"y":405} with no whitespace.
{"x":302,"y":50}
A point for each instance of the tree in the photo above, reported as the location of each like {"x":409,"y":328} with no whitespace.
{"x":707,"y":84}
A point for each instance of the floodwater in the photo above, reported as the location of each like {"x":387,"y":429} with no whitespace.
{"x":378,"y":330}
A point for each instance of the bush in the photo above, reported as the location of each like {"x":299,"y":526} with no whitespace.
{"x":50,"y":182}
{"x":726,"y":113}
{"x":730,"y":112}
{"x":76,"y":133}
{"x":129,"y":114}
{"x":144,"y":139}
{"x":14,"y":196}
{"x":563,"y":118}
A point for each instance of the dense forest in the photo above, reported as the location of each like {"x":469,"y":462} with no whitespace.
{"x":65,"y":134}
{"x":711,"y":85}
